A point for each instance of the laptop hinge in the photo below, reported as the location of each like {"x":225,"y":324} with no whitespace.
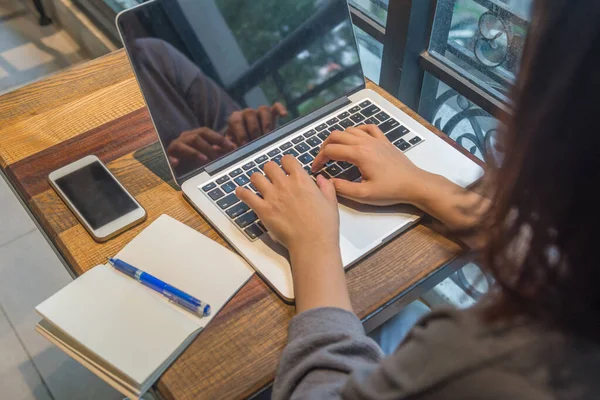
{"x":274,"y":136}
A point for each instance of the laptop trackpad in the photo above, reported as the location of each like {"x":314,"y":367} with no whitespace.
{"x":365,"y":226}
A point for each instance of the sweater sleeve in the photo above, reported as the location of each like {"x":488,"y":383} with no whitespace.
{"x":328,"y":356}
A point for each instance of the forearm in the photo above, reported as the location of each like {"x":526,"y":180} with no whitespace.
{"x":457,"y":208}
{"x":319,"y":279}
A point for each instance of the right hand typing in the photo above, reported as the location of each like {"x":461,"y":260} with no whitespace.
{"x":388,"y":176}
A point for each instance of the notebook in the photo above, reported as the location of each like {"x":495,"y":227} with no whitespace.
{"x":126,"y":333}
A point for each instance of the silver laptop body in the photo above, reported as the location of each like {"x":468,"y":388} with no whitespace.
{"x":209,"y":187}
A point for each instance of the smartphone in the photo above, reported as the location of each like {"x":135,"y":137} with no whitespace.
{"x":96,"y":198}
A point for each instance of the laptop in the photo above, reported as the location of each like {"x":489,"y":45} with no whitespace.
{"x":233,"y":84}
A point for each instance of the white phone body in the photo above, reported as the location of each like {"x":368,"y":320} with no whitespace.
{"x":113,"y":227}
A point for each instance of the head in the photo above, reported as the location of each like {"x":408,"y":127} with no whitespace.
{"x":544,"y":241}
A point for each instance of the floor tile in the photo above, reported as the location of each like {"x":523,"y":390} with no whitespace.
{"x":18,"y":376}
{"x":26,"y":56}
{"x":15,"y":220}
{"x":30,"y":272}
{"x":61,"y":42}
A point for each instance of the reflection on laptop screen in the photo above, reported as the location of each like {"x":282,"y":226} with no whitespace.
{"x":217,"y":74}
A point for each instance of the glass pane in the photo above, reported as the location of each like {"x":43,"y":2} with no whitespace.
{"x":370,"y":52}
{"x":482,"y":39}
{"x":459,"y":118}
{"x":376,"y":9}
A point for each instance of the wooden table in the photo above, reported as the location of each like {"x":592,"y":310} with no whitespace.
{"x":97,"y":108}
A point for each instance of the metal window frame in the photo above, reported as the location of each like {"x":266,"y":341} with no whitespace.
{"x":412,"y":45}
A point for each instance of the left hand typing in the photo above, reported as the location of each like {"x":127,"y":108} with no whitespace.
{"x":304,"y":217}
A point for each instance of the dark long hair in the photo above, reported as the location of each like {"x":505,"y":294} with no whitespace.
{"x":543,"y":244}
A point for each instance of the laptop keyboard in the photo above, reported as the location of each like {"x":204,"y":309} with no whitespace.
{"x":304,"y":147}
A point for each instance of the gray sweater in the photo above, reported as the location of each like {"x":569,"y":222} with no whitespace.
{"x":449,"y":354}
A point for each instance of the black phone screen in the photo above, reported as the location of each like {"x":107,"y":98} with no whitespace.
{"x":96,"y":195}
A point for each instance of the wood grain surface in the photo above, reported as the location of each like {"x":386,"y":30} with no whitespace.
{"x":97,"y":109}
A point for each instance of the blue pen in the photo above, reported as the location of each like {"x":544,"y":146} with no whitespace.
{"x":172,"y":293}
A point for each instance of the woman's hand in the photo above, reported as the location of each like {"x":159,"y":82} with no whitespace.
{"x":388,"y":176}
{"x":304,"y":218}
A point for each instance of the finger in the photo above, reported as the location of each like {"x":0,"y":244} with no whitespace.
{"x":338,"y":137}
{"x":351,"y":190}
{"x":337,"y":152}
{"x":261,"y":183}
{"x":291,"y":165}
{"x":174,"y":161}
{"x":274,"y":173}
{"x":237,"y":128}
{"x":279,"y":109}
{"x":266,"y":119}
{"x":327,"y":188}
{"x":357,"y":133}
{"x":216,"y":139}
{"x":251,"y":199}
{"x":182,"y":150}
{"x":372,"y":130}
{"x":204,"y":148}
{"x":251,"y":122}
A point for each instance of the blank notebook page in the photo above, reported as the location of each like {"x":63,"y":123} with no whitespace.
{"x":120,"y":320}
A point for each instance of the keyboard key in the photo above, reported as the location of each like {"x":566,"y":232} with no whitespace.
{"x":262,"y":166}
{"x":389,"y":125}
{"x":354,"y":109}
{"x":252,"y":187}
{"x":343,"y":115}
{"x":242,"y":180}
{"x":297,"y":139}
{"x":228,"y":201}
{"x":291,"y":151}
{"x":313,"y":141}
{"x":249,"y":165}
{"x":382,"y":116}
{"x":336,"y":128}
{"x":262,"y":226}
{"x":216,"y":194}
{"x":347,"y":123}
{"x":308,"y":169}
{"x":344,"y":164}
{"x":314,"y":151}
{"x":371,"y":121}
{"x":228,"y":187}
{"x":321,"y":127}
{"x":235,"y":172}
{"x":253,"y":231}
{"x":415,"y":140}
{"x":262,"y":159}
{"x":305,"y":158}
{"x":252,"y":171}
{"x":395,"y":134}
{"x":246,"y":219}
{"x":302,"y":148}
{"x":371,"y":110}
{"x":332,"y":121}
{"x":333,"y":170}
{"x":237,"y":210}
{"x":357,"y":118}
{"x":277,"y":160}
{"x":222,"y":179}
{"x":365,"y":104}
{"x":273,"y":152}
{"x":405,"y":130}
{"x":210,"y":186}
{"x":402,"y":144}
{"x":286,"y":146}
{"x":351,"y":174}
{"x":310,"y":133}
{"x":323,"y":135}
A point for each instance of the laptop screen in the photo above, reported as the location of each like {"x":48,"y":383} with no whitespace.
{"x":218,"y":74}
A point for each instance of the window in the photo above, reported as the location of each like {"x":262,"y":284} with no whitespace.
{"x":453,"y":61}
